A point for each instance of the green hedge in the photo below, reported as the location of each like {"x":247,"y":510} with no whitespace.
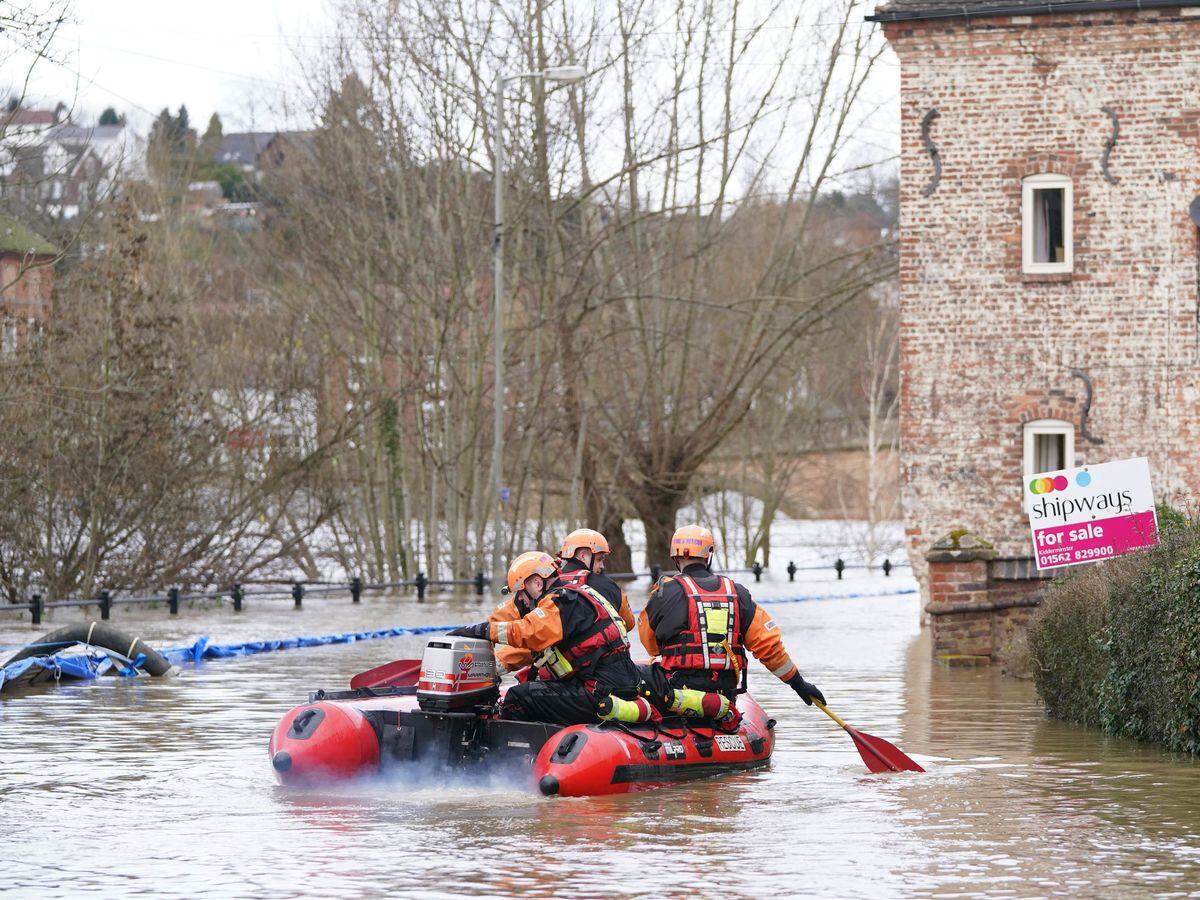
{"x":1117,"y":644}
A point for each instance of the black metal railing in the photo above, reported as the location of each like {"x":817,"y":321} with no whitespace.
{"x":237,"y":593}
{"x":840,"y":565}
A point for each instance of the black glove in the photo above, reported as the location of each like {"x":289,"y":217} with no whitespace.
{"x":481,"y":632}
{"x":808,"y":692}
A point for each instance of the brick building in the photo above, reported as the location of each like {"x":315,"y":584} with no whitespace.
{"x":1050,"y":173}
{"x":26,"y":284}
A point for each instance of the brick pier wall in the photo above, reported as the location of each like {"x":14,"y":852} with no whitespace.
{"x":980,"y":604}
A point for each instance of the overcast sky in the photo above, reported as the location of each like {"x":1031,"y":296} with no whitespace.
{"x":234,"y":57}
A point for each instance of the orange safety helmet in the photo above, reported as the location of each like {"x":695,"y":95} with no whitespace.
{"x":582,"y":537}
{"x":694,"y":541}
{"x":535,"y":562}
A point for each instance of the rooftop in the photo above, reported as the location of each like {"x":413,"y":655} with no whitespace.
{"x":900,"y":10}
{"x":16,"y":238}
{"x":240,"y":149}
{"x":24,"y":117}
{"x":83,"y":134}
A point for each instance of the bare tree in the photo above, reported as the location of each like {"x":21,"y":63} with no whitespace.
{"x":668,"y":260}
{"x":133,"y":457}
{"x":872,"y":409}
{"x":31,"y":29}
{"x":711,"y":269}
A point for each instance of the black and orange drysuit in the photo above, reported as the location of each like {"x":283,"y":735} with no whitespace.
{"x":567,"y":624}
{"x":513,"y":659}
{"x":671,"y":627}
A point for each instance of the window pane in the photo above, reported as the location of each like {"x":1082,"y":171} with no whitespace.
{"x":1049,"y":452}
{"x":1048,"y":243}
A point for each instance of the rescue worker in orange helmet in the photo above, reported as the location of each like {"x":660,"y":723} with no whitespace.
{"x":581,"y":560}
{"x":578,"y":641}
{"x":702,"y":624}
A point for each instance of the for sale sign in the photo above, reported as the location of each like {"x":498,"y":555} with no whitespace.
{"x":1094,"y":512}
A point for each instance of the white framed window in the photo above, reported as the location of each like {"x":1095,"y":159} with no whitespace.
{"x":1049,"y":446}
{"x":1047,"y":237}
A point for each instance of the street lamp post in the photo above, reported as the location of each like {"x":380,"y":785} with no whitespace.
{"x":567,"y":75}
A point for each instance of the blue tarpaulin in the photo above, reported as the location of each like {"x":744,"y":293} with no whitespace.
{"x":87,"y":666}
{"x":56,"y":667}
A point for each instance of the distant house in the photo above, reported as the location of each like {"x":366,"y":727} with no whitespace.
{"x":256,"y":151}
{"x":31,"y":121}
{"x":57,"y":179}
{"x":116,"y":147}
{"x":61,"y":167}
{"x":282,"y":148}
{"x":202,"y":196}
{"x":241,"y":149}
{"x":26,"y":284}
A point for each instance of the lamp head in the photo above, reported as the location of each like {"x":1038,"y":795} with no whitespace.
{"x":564,"y":74}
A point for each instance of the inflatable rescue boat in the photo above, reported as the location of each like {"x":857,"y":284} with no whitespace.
{"x":448,"y":720}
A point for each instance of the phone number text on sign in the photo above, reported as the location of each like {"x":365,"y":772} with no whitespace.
{"x":1091,"y":513}
{"x":1064,"y":546}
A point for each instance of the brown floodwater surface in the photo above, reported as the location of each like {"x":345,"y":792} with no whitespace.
{"x":163,"y":787}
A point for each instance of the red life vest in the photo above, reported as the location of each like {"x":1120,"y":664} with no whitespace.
{"x":713,"y":639}
{"x":574,"y":579}
{"x":581,"y":652}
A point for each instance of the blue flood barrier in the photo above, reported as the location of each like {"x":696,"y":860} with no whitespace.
{"x":89,"y":666}
{"x":857,"y":596}
{"x":202,"y":649}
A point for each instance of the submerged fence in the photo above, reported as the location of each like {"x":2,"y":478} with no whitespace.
{"x":238,"y":593}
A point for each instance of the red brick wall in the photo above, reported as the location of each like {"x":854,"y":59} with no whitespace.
{"x":994,"y":632}
{"x":959,"y":633}
{"x":26,"y":287}
{"x":986,"y":348}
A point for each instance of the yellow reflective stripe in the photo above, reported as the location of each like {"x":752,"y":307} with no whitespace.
{"x":731,"y":660}
{"x":783,"y":670}
{"x":556,"y":662}
{"x":502,"y":632}
{"x":603,"y":601}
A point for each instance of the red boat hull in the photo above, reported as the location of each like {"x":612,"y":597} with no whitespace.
{"x":330,"y":740}
{"x":587,"y":760}
{"x":341,"y":739}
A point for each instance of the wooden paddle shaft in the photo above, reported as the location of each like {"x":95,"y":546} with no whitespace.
{"x":829,"y":712}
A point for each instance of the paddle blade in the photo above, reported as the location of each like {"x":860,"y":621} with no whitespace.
{"x":879,"y":755}
{"x":398,"y":673}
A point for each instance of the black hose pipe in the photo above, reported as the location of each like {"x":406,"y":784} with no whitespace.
{"x":97,"y":635}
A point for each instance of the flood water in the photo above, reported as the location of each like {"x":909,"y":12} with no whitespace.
{"x":138,"y":787}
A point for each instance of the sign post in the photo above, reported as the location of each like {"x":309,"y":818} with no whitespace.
{"x":1091,"y":513}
